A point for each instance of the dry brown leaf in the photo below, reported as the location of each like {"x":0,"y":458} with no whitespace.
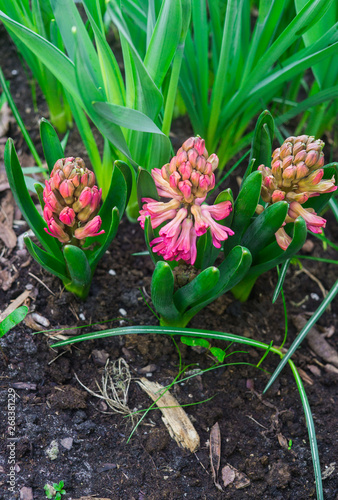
{"x":282,"y":441}
{"x":304,"y":376}
{"x":6,"y":118}
{"x":215,"y":453}
{"x":7,"y":279}
{"x":7,"y":235}
{"x":228,"y":475}
{"x":15,"y":304}
{"x":231,"y":475}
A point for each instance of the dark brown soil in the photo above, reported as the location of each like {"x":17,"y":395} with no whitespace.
{"x":52,"y":406}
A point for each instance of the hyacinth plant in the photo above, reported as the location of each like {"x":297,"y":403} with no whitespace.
{"x":184,"y":235}
{"x":75,"y":229}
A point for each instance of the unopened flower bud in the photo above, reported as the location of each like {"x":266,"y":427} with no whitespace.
{"x":66,"y":190}
{"x":192,"y":156}
{"x":277,"y":195}
{"x":185,"y":170}
{"x":213,"y":159}
{"x":188,"y":144}
{"x":311,"y":158}
{"x":67,"y":216}
{"x":200,"y":146}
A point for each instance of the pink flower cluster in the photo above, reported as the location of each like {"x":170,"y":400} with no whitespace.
{"x":296,"y":175}
{"x":186,"y":180}
{"x":72,"y":201}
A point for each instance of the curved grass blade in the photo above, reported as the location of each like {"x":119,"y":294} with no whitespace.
{"x":281,"y":277}
{"x":301,"y":336}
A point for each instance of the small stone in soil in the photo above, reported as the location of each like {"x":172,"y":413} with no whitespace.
{"x":147,"y":369}
{"x":67,"y":443}
{"x":26,"y":493}
{"x":112,"y":272}
{"x":123,"y":312}
{"x":100,"y":357}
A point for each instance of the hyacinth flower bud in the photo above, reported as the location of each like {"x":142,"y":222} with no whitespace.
{"x":83,"y":200}
{"x":182,"y":157}
{"x":56,"y":180}
{"x":299,"y":149}
{"x":201,"y":164}
{"x":90,"y":229}
{"x":277,"y":195}
{"x":53,"y":201}
{"x":200,"y":145}
{"x":67,"y":216}
{"x":195,"y":178}
{"x":174,"y":179}
{"x":300,"y":197}
{"x":285,"y":150}
{"x":287,"y":161}
{"x":192,"y":157}
{"x":302,"y":170}
{"x":185,"y":188}
{"x":172,"y":165}
{"x":165,"y":172}
{"x":185,"y":170}
{"x":66,"y":190}
{"x":47,"y":212}
{"x":71,"y":200}
{"x":300,"y":156}
{"x":312,"y":158}
{"x":188,"y":144}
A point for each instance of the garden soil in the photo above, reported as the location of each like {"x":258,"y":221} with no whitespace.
{"x":63,"y":432}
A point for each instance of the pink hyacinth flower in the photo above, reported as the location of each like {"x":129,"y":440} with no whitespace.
{"x":56,"y":231}
{"x":90,"y":229}
{"x":314,"y":222}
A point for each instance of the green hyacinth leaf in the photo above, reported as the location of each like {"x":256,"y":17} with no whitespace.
{"x":232,"y":270}
{"x":39,"y":191}
{"x":13,"y":319}
{"x":116,"y":197}
{"x":95,"y":255}
{"x":149,"y":236}
{"x":162,"y":294}
{"x":273,"y":255}
{"x":25,"y":203}
{"x":128,"y":174}
{"x":46,"y":260}
{"x":261,"y":148}
{"x":244,"y":209}
{"x":52,"y":148}
{"x":262,"y":230}
{"x":197,"y":288}
{"x":146,"y":187}
{"x":78,"y":270}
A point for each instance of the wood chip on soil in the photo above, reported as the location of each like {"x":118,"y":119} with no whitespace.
{"x":174,"y":417}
